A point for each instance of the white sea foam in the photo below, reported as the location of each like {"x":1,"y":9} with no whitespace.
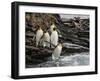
{"x":72,"y":60}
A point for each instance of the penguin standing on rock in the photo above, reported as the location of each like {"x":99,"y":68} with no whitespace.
{"x":46,"y":39}
{"x":54,"y":37}
{"x":39,"y":34}
{"x":57,"y":51}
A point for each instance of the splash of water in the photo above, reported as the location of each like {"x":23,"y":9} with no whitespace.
{"x":72,"y":60}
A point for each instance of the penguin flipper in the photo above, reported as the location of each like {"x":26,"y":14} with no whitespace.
{"x":51,"y":44}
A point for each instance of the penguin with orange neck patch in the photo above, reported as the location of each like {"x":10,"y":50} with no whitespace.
{"x":54,"y":37}
{"x":46,"y":39}
{"x":57,"y":52}
{"x":39,"y":34}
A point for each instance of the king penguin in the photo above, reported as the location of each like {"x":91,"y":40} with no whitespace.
{"x":39,"y":34}
{"x":57,"y":51}
{"x":46,"y":39}
{"x":54,"y":37}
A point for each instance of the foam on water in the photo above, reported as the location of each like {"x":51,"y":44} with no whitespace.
{"x":72,"y":60}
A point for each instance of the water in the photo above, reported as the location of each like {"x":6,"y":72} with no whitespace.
{"x":75,"y":59}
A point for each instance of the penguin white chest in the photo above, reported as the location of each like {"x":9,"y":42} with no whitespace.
{"x":54,"y":37}
{"x":46,"y":39}
{"x":57,"y":52}
{"x":39,"y":34}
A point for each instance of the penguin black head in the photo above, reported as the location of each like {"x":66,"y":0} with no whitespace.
{"x":47,"y":28}
{"x":52,"y":23}
{"x":39,"y":28}
{"x":61,"y":42}
{"x":54,"y":29}
{"x":44,"y":31}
